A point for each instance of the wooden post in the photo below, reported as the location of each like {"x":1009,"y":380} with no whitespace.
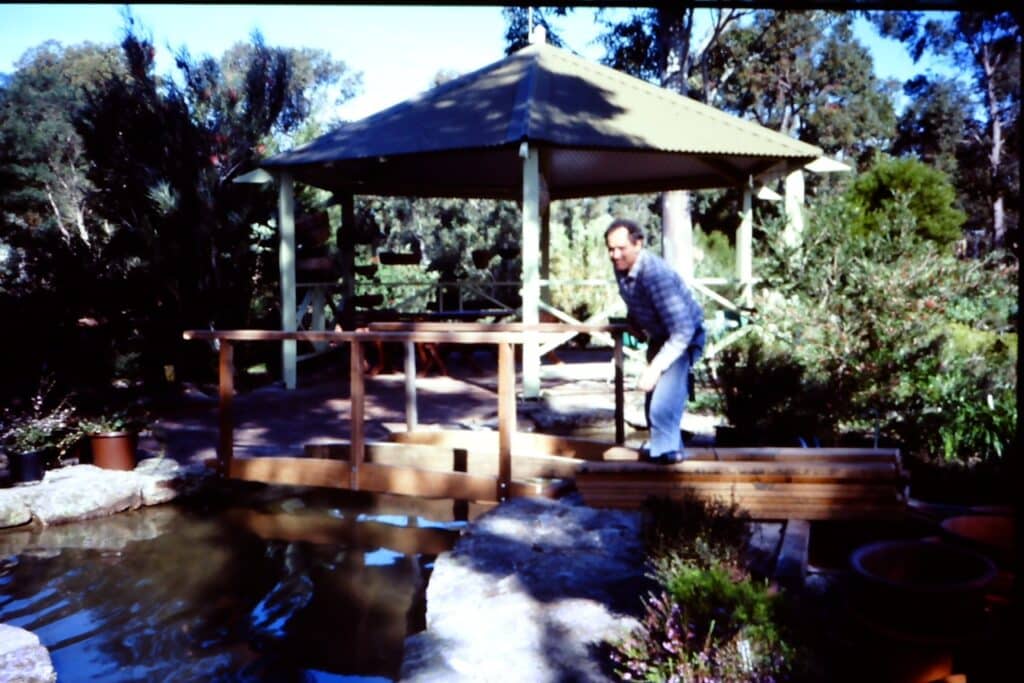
{"x":792,"y":235}
{"x":286,"y":263}
{"x":357,"y":396}
{"x":226,"y":372}
{"x":677,"y":232}
{"x":745,"y":249}
{"x":531,"y":213}
{"x":506,"y":417}
{"x":411,"y":416}
{"x":620,"y":393}
{"x":347,"y":244}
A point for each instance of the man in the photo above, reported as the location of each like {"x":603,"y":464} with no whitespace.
{"x":661,"y":306}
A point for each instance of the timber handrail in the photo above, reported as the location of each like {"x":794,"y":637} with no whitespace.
{"x":503,"y":335}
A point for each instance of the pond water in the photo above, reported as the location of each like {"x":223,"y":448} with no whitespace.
{"x":261,"y":584}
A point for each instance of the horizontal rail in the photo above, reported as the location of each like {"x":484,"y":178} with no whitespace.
{"x":440,"y":333}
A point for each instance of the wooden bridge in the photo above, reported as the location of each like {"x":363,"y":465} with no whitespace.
{"x":492,"y":466}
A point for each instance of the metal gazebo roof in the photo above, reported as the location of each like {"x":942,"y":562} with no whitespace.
{"x":599,"y":132}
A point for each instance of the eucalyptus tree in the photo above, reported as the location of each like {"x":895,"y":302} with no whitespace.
{"x":985,"y":46}
{"x":164,"y":153}
{"x":806,"y":75}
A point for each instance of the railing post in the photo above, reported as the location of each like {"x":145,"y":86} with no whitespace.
{"x":620,"y":393}
{"x":357,"y":394}
{"x":506,"y":417}
{"x":226,"y":377}
{"x":411,"y":416}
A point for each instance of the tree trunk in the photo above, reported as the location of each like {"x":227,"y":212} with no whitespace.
{"x":996,"y":150}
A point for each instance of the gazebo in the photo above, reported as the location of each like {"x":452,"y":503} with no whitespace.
{"x":539,"y":125}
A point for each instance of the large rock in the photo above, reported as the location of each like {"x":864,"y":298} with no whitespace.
{"x":84,"y":492}
{"x":23,"y":659}
{"x":530,"y":592}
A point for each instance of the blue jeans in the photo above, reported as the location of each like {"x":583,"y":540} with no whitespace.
{"x":664,"y":405}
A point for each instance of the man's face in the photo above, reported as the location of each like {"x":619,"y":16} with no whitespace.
{"x":621,"y":250}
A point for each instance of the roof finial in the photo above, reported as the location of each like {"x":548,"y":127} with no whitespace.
{"x":538,"y":35}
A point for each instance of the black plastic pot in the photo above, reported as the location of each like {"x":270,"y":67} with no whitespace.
{"x":26,"y":467}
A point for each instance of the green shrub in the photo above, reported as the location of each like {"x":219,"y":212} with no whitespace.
{"x":928,"y":193}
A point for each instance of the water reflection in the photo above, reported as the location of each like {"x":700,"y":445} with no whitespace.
{"x":261,"y":585}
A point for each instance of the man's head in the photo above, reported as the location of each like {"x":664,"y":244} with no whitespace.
{"x":625,"y":241}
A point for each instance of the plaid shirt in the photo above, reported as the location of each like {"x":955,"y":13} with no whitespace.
{"x":660,"y":304}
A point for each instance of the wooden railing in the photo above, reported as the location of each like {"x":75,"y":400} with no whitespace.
{"x":502,"y":335}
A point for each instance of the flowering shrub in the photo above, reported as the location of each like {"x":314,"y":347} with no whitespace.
{"x":41,"y":426}
{"x":709,"y":620}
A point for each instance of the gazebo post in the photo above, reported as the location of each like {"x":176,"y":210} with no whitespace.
{"x":677,"y":232}
{"x":347,"y":244}
{"x":286,"y":262}
{"x":792,"y":235}
{"x":745,"y":248}
{"x":531,"y":216}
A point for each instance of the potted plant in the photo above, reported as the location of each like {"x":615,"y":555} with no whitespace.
{"x":36,"y":439}
{"x":113,"y":440}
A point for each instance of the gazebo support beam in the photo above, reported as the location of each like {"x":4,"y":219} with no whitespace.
{"x":531,"y":217}
{"x":347,"y":243}
{"x":792,"y":235}
{"x":677,"y":232}
{"x":286,"y":262}
{"x":745,"y":248}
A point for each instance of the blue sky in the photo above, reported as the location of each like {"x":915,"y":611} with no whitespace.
{"x":398,"y":49}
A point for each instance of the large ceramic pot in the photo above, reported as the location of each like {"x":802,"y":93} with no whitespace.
{"x":921,"y":590}
{"x":114,"y":450}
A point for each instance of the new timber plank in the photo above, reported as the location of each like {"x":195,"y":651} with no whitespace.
{"x":526,"y":443}
{"x":695,"y":470}
{"x":411,"y":481}
{"x":294,"y":471}
{"x":448,"y":459}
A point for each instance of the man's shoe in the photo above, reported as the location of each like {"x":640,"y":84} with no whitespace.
{"x":668,"y":458}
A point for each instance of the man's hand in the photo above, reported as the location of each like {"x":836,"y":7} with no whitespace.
{"x":648,"y":378}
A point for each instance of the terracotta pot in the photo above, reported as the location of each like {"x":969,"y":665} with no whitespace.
{"x":114,"y":450}
{"x":991,"y":535}
{"x":921,"y":591}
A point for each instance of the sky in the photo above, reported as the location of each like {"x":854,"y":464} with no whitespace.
{"x":398,"y":49}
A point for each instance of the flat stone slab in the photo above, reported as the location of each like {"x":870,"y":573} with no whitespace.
{"x":531,"y":592}
{"x":81,"y":492}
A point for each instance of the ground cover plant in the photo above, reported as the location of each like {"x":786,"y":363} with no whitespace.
{"x":708,"y":619}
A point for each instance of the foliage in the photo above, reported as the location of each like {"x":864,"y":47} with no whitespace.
{"x":931,"y":125}
{"x":694,"y":529}
{"x":768,"y":396}
{"x":882,"y":320}
{"x":929,"y":197}
{"x":806,"y":75}
{"x":109,"y":422}
{"x":42,"y":425}
{"x":708,"y":620}
{"x":986,"y":47}
{"x":120,"y":225}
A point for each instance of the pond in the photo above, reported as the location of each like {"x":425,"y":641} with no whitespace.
{"x":257,"y":584}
